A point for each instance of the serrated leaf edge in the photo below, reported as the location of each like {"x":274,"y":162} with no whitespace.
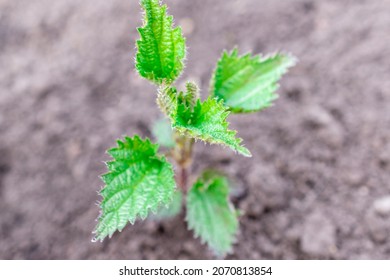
{"x":149,"y":209}
{"x":210,"y":140}
{"x":258,"y":58}
{"x":232,"y":208}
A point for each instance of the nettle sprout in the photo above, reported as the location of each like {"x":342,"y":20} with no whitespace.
{"x":141,"y":179}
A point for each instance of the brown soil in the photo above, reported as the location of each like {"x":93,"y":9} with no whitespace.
{"x":321,"y":155}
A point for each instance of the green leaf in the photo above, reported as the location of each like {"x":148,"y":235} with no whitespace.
{"x":167,"y":100}
{"x":210,"y":214}
{"x":192,"y":94}
{"x":138,"y":181}
{"x":207,"y":122}
{"x":161,"y":48}
{"x":171,"y":210}
{"x":163,"y":133}
{"x":248,"y":84}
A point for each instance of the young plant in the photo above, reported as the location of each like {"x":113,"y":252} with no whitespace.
{"x":140,"y":178}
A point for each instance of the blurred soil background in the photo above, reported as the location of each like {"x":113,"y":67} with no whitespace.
{"x":317,"y":186}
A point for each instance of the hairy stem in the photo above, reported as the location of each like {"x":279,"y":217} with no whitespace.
{"x":167,"y":100}
{"x":183,"y":179}
{"x":182,"y":154}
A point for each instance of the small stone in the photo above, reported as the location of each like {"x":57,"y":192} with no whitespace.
{"x":378,"y":227}
{"x":189,"y":246}
{"x":327,"y":127}
{"x":381,"y":206}
{"x":317,"y":117}
{"x":319,"y":235}
{"x":354,"y":177}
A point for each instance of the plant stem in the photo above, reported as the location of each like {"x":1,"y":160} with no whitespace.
{"x":183,"y":157}
{"x":182,"y":153}
{"x":183,"y":178}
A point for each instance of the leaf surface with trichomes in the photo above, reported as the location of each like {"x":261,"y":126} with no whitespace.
{"x":206,"y":121}
{"x":139,"y":180}
{"x":161,"y":48}
{"x":248,"y":83}
{"x":171,"y":210}
{"x":210,"y":214}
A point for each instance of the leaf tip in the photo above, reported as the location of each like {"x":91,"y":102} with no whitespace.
{"x":245,"y":152}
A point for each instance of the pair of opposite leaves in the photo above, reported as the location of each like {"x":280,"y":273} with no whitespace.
{"x":139,"y":179}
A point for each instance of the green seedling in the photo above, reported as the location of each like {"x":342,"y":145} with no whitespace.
{"x":141,"y":177}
